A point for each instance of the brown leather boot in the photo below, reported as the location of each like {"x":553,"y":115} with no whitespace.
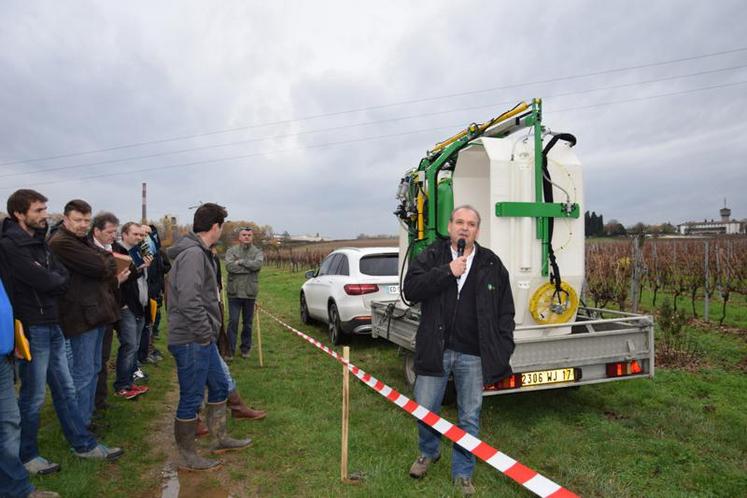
{"x":200,"y":428}
{"x":240,"y":410}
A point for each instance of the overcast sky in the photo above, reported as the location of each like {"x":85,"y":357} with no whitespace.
{"x":304,"y":115}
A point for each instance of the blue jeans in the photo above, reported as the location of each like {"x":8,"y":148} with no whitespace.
{"x":240,"y":306}
{"x":86,"y":352}
{"x":49,"y":366}
{"x":144,"y":346}
{"x":198,"y":366}
{"x":14,"y":480}
{"x":229,"y":379}
{"x":429,"y":392}
{"x":129,"y":328}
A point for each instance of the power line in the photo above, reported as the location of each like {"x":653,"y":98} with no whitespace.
{"x":365,"y":123}
{"x":366,"y":139}
{"x":376,"y":107}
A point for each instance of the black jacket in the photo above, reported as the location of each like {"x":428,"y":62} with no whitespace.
{"x":38,"y":279}
{"x":5,"y":275}
{"x":157,"y":274}
{"x":430,"y":282}
{"x":129,"y":292}
{"x":90,"y":301}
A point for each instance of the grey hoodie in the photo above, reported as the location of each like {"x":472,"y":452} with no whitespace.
{"x":192,"y":293}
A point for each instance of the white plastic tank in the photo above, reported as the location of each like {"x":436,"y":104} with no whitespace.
{"x":493,"y":170}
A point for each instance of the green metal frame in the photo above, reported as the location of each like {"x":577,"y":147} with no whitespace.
{"x":536,"y":210}
{"x":541,"y":211}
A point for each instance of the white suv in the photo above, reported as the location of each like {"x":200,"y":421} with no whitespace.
{"x":340,"y":292}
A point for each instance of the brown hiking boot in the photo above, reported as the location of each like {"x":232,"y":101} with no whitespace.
{"x":201,"y":429}
{"x":216,"y":422}
{"x":184,"y":433}
{"x":240,"y":410}
{"x":465,"y":486}
{"x":420,"y":466}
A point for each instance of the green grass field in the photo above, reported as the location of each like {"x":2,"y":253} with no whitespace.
{"x":680,"y":434}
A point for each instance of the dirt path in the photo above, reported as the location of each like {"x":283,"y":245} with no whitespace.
{"x":173,"y":483}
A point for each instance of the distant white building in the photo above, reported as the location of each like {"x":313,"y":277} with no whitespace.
{"x":705,"y":227}
{"x":307,"y":238}
{"x":300,"y":238}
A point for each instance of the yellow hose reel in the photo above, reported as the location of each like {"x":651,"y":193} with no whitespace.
{"x":547,"y":308}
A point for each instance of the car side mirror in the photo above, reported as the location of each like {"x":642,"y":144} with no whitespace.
{"x":310,"y":274}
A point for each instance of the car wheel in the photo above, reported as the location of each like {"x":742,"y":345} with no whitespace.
{"x":305,"y":317}
{"x":335,"y":327}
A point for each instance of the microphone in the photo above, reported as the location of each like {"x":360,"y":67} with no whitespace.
{"x":460,"y":252}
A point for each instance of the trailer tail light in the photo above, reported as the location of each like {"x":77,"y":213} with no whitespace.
{"x":511,"y":382}
{"x":623,"y":368}
{"x":360,"y":289}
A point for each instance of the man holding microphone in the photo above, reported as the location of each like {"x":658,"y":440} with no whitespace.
{"x":466,"y":330}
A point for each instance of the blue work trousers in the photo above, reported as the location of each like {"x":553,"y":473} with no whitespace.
{"x":48,"y":366}
{"x":197,"y":366}
{"x":14,"y":480}
{"x":85,"y":350}
{"x":240,"y":306}
{"x":429,"y":392}
{"x":129,"y":331}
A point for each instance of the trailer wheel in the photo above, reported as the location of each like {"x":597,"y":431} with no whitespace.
{"x":409,"y":368}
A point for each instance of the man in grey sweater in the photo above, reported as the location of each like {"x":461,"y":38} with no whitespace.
{"x":194,"y":323}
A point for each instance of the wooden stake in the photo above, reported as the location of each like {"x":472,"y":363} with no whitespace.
{"x":345,"y":415}
{"x":259,"y":335}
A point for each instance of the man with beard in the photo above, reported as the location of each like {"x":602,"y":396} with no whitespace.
{"x":14,"y":478}
{"x":38,"y":282}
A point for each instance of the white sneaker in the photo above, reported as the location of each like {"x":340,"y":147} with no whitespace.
{"x":101,"y":452}
{"x":41,"y":466}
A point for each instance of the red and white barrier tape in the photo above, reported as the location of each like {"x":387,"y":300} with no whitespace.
{"x":534,"y":482}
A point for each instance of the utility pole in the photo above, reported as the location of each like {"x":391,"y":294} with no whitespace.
{"x":145,"y":217}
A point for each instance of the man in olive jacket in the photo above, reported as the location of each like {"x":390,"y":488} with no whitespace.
{"x":243,"y":262}
{"x":466,"y":330}
{"x":89,"y":304}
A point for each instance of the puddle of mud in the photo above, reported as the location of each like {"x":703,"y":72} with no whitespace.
{"x":183,"y":484}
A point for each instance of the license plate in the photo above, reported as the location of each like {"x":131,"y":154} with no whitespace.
{"x":393,"y":289}
{"x":548,"y":377}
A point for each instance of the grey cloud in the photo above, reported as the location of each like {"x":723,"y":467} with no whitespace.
{"x":86,"y":75}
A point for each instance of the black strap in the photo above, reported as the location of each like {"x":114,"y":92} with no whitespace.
{"x":548,"y":195}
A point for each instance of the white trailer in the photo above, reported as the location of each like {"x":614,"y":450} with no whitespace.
{"x":513,"y":179}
